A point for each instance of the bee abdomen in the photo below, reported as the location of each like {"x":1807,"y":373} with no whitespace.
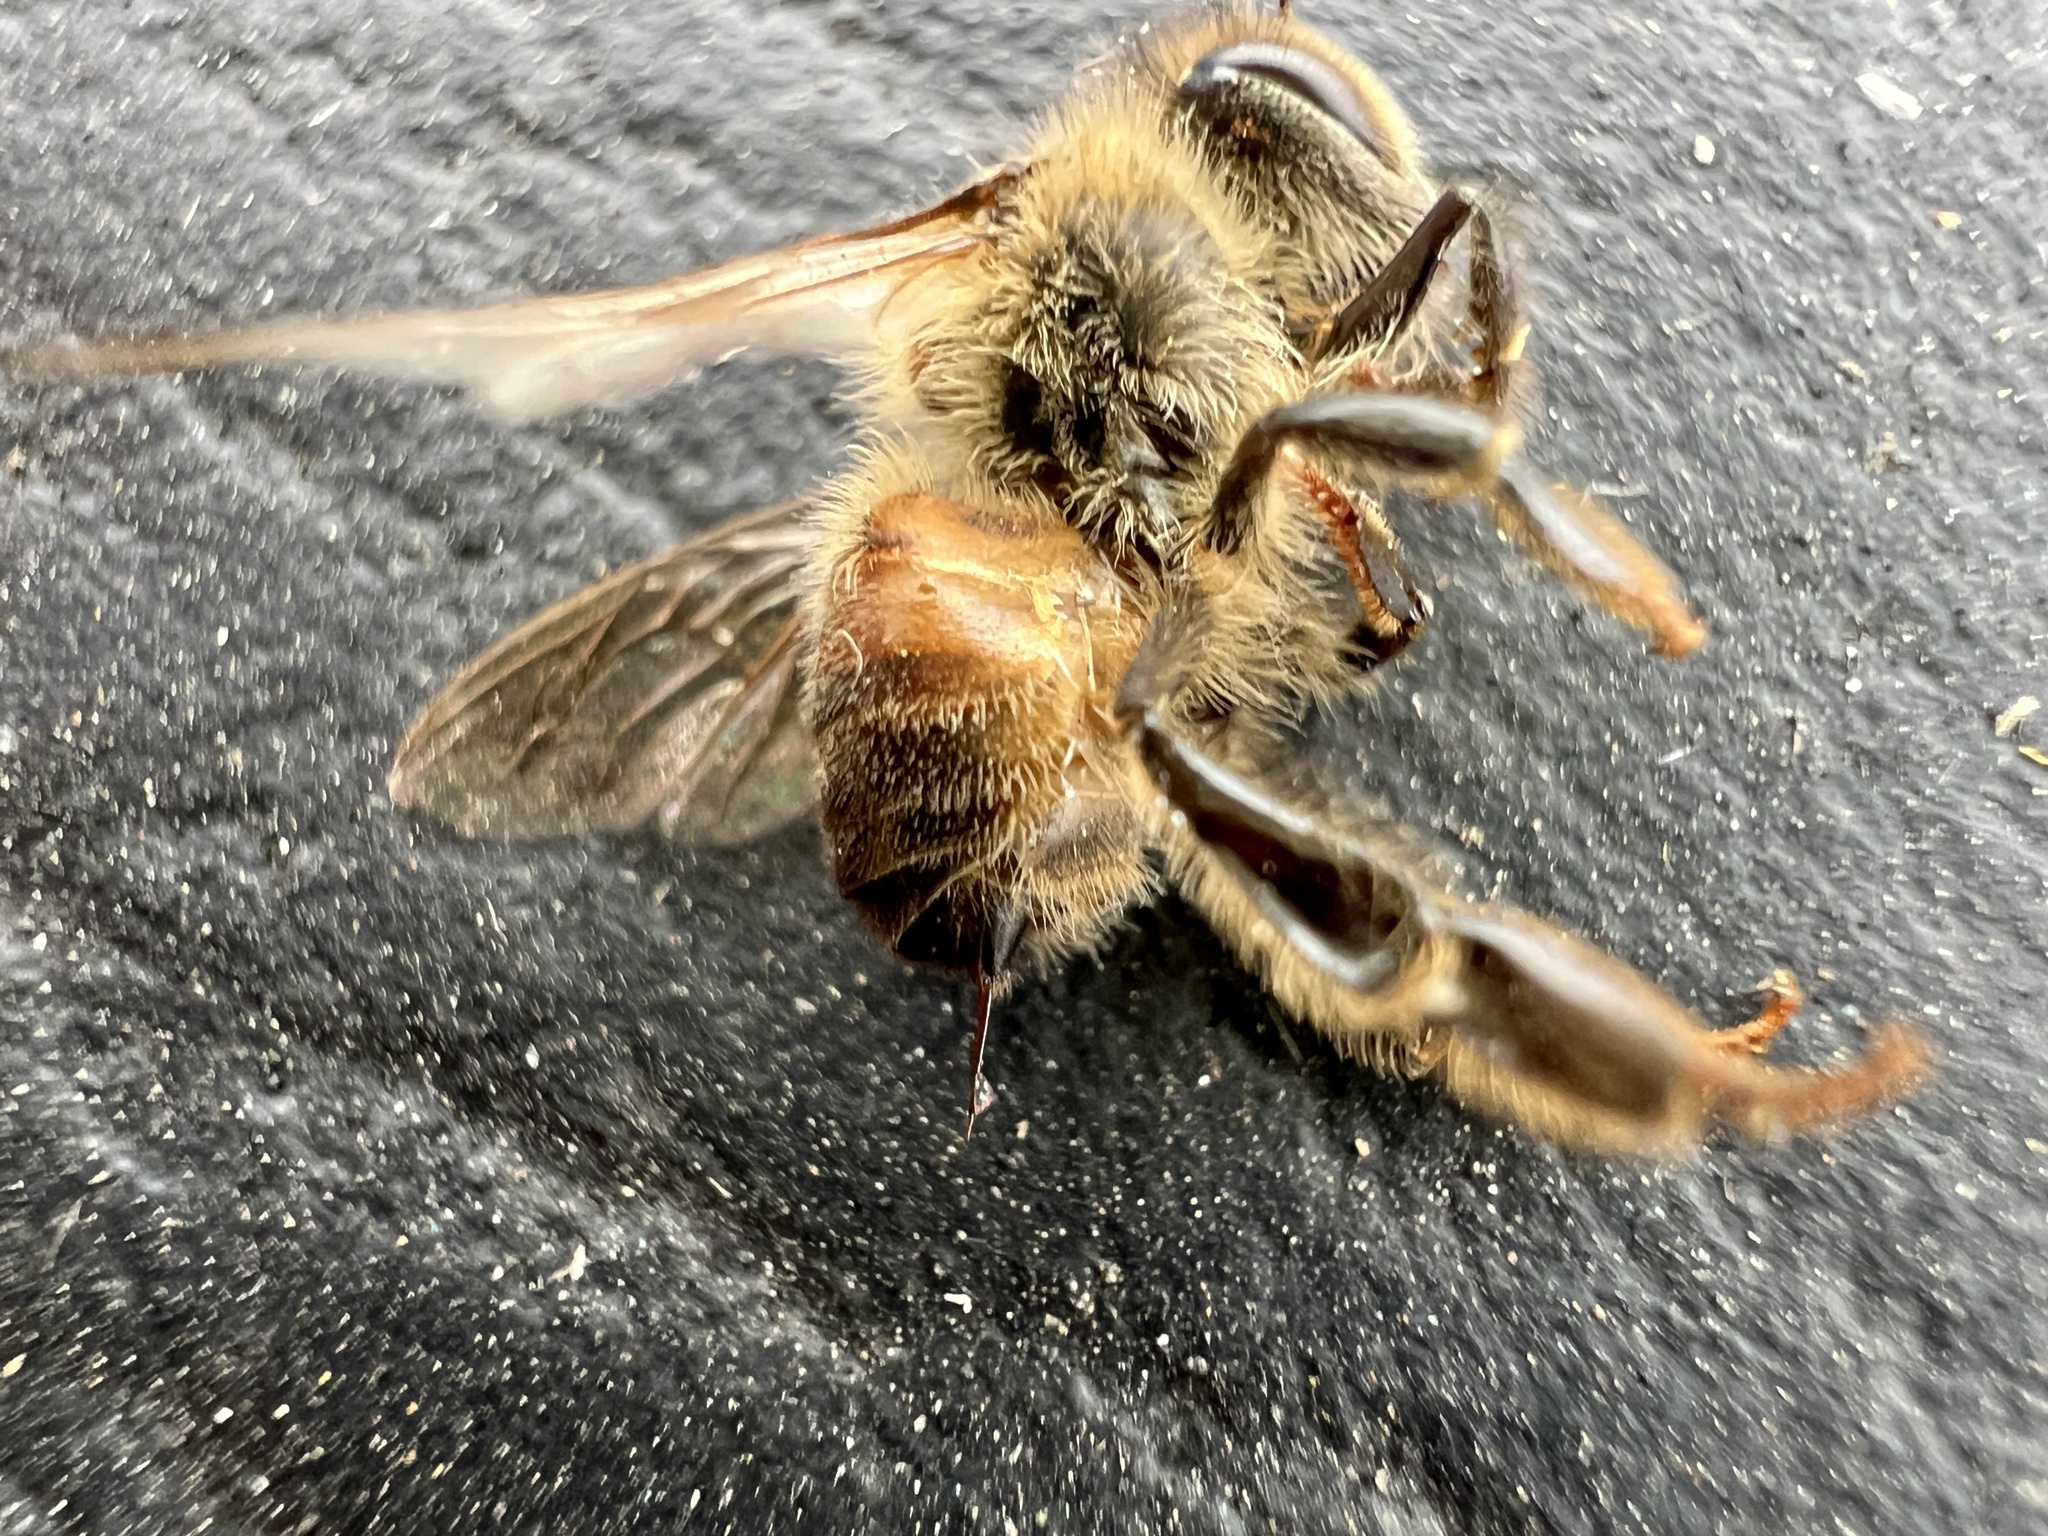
{"x":959,"y":681}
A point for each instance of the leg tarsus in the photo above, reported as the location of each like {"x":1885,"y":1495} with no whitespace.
{"x":1496,"y":316}
{"x":1769,"y":1105}
{"x":1389,"y":623}
{"x":1392,"y":609}
{"x":1583,"y":544}
{"x":1782,"y":999}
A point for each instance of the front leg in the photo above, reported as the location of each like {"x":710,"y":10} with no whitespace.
{"x":1384,"y":309}
{"x":1514,"y":1016}
{"x":1445,"y":431}
{"x":1445,"y":451}
{"x":1391,"y":607}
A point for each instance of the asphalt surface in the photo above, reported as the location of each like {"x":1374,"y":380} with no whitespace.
{"x":356,"y":1178}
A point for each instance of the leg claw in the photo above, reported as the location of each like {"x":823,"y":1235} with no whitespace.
{"x":1782,"y":997}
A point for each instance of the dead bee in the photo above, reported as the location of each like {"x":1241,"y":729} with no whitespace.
{"x":1113,"y":524}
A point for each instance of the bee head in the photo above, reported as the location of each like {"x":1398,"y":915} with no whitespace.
{"x":1315,"y":151}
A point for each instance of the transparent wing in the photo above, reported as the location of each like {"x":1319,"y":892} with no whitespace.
{"x":540,"y":356}
{"x":664,"y":694}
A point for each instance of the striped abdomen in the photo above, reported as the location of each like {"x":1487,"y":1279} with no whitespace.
{"x":961,"y":677}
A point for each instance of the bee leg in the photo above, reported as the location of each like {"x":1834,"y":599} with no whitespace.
{"x":1562,"y":528}
{"x":1494,"y":312}
{"x":1561,"y":1036}
{"x":1783,"y":997}
{"x":1581,"y":542}
{"x":991,"y":980}
{"x":1409,"y":436}
{"x":1448,"y":450}
{"x":1386,"y":306}
{"x":1324,"y":895}
{"x":1515,"y":1016}
{"x":1384,"y":309}
{"x":1392,"y":609}
{"x":1493,"y":319}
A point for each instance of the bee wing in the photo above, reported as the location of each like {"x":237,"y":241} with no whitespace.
{"x":662,"y":694}
{"x":541,"y":356}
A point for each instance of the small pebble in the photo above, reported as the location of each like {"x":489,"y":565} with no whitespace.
{"x":2023,"y":708}
{"x":1888,"y":96}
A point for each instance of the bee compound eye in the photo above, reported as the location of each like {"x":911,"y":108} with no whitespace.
{"x":1220,"y":75}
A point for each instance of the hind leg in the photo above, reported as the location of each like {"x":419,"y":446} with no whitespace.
{"x":1514,"y":1016}
{"x":1446,"y":451}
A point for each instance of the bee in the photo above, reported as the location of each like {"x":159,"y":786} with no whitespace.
{"x":1133,"y":405}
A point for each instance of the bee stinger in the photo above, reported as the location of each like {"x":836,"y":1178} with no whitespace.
{"x":1133,"y":405}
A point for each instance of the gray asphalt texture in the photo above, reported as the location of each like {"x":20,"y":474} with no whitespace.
{"x":355,"y":1178}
